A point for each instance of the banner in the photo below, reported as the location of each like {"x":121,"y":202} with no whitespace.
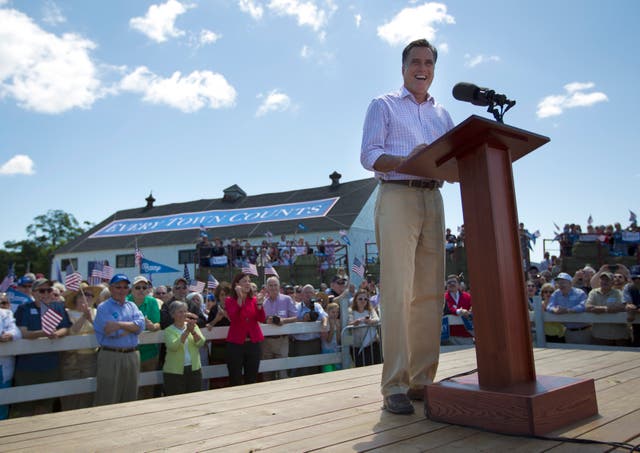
{"x":17,"y":298}
{"x":218,"y":218}
{"x":444,"y":332}
{"x":151,"y":267}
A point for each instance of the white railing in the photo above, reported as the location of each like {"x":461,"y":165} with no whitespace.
{"x":88,"y":385}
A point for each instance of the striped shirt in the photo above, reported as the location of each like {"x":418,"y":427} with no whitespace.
{"x":395,"y":124}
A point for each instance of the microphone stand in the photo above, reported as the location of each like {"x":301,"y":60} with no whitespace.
{"x":498,"y":105}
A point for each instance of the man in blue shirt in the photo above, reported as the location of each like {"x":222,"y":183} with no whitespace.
{"x":567,"y":299}
{"x":118,"y":323}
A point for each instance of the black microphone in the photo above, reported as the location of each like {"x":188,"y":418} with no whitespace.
{"x":468,"y":92}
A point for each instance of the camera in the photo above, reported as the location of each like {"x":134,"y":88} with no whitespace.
{"x":276,"y":320}
{"x":313,"y":316}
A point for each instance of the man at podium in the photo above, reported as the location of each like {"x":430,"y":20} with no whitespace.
{"x":409,"y":220}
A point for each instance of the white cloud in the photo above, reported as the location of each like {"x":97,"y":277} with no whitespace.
{"x":208,"y":37}
{"x":275,"y":101}
{"x":307,"y":13}
{"x":414,"y":23}
{"x":52,"y":14}
{"x":575,"y":96}
{"x":443,"y":48}
{"x":473,"y":61}
{"x":159,"y":22}
{"x":250,"y":7}
{"x":20,"y":164}
{"x":305,"y":52}
{"x":187,"y":93}
{"x":42,"y":71}
{"x":358,"y":19}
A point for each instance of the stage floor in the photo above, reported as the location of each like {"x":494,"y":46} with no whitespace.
{"x":338,"y":411}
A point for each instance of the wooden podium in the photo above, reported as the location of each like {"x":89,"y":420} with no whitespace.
{"x":505,"y":395}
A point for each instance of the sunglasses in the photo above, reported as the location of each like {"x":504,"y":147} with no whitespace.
{"x":363,"y":298}
{"x":27,"y":286}
{"x":140,"y":288}
{"x":46,"y":290}
{"x":4,"y":302}
{"x":160,"y":294}
{"x":179,"y":287}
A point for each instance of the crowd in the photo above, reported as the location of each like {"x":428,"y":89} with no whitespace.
{"x":117,"y":312}
{"x":619,"y":241}
{"x":219,"y":253}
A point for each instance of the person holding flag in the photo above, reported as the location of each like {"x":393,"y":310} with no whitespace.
{"x":37,"y":319}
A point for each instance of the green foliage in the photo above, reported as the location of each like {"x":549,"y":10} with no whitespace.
{"x":47,"y":233}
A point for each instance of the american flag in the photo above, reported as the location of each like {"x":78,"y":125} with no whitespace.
{"x":196,"y":286}
{"x":72,"y":281}
{"x":203,"y":231}
{"x":632,"y":216}
{"x":250,"y":269}
{"x":269,"y":234}
{"x":96,"y":273}
{"x":138,"y":255}
{"x":590,"y":220}
{"x":212,"y":283}
{"x":357,"y":267}
{"x":9,"y":279}
{"x":269,"y":270}
{"x":49,"y":319}
{"x":186,"y":274}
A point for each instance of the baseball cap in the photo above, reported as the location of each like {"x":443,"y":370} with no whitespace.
{"x":564,"y":276}
{"x":41,"y":282}
{"x":140,"y":278}
{"x":25,"y":279}
{"x":119,"y":278}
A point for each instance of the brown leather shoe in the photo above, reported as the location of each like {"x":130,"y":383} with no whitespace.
{"x":416,"y":393}
{"x":398,"y":404}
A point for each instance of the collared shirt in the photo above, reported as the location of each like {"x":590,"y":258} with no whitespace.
{"x":607,"y":331}
{"x":110,"y":310}
{"x":283,"y":306}
{"x":395,"y":124}
{"x":573,"y":302}
{"x":303,"y":310}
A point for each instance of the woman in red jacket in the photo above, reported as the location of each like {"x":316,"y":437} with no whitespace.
{"x":244,"y":311}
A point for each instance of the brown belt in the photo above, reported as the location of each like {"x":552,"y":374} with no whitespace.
{"x":123,"y":350}
{"x":430,"y":184}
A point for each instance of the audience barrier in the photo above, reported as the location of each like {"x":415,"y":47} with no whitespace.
{"x":88,"y":385}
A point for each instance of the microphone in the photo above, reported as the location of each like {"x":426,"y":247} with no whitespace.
{"x":468,"y":92}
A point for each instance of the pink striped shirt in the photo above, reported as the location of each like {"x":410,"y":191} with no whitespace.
{"x":395,"y":124}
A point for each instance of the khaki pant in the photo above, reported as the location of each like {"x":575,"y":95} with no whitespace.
{"x":410,"y":237}
{"x":117,"y":377}
{"x":275,"y":348}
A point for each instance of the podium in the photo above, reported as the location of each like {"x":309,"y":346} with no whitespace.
{"x":505,"y":395}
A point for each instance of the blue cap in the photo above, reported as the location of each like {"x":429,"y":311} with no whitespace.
{"x":25,"y":279}
{"x":119,"y":278}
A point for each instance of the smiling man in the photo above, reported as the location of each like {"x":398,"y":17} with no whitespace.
{"x":409,"y":228}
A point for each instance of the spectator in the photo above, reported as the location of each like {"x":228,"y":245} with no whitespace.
{"x":545,"y":264}
{"x":149,"y":353}
{"x":195,"y":306}
{"x":594,"y":281}
{"x":43,"y":367}
{"x":118,"y":323}
{"x":8,"y":332}
{"x":339,"y":289}
{"x":161,"y":293}
{"x":553,"y":331}
{"x":245,"y":311}
{"x":458,"y":304}
{"x":105,"y":294}
{"x":607,"y":299}
{"x":331,"y":343}
{"x":279,"y":310}
{"x":366,"y":342}
{"x":82,"y":362}
{"x":218,"y":256}
{"x":179,"y":293}
{"x":203,"y":251}
{"x":620,"y":281}
{"x":532,"y":290}
{"x":631,"y":298}
{"x":567,"y":299}
{"x":182,"y":370}
{"x":25,"y":284}
{"x":308,"y":343}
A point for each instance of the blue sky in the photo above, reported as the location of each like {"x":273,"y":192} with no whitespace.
{"x":102,"y":102}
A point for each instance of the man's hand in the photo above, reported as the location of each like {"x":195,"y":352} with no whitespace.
{"x":111,"y":326}
{"x":6,"y":337}
{"x":560,"y":310}
{"x":387,"y":162}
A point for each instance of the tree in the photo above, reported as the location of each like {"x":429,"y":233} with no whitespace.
{"x":47,"y":232}
{"x":54,"y":229}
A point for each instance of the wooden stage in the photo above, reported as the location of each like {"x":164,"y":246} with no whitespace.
{"x":338,"y":411}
